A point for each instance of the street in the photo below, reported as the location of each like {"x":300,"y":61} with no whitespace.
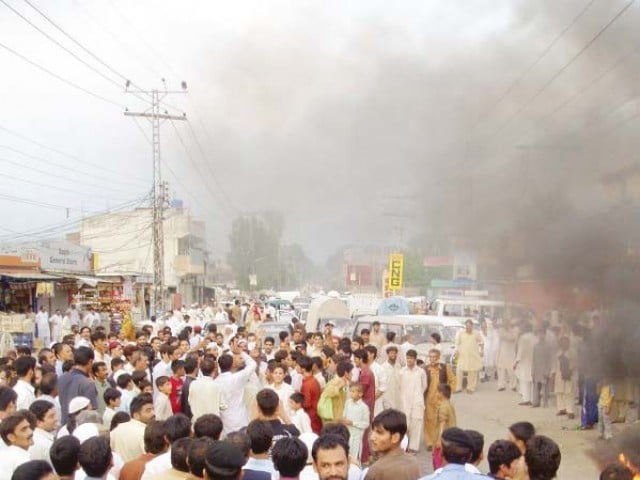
{"x":491,"y":412}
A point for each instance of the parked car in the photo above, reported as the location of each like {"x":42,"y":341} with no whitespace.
{"x":420,"y":327}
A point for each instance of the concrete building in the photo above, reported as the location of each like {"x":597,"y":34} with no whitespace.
{"x":122,"y":246}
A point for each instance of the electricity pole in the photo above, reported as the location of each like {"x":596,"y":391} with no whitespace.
{"x":154,"y":115}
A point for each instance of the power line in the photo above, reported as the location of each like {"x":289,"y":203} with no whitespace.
{"x":56,"y":42}
{"x":55,"y":175}
{"x":173,"y":173}
{"x":555,"y":76}
{"x":72,"y":157}
{"x":141,"y":38}
{"x":62,"y":79}
{"x":211,"y":172}
{"x":47,"y":185}
{"x":93,"y":55}
{"x":536,"y":61}
{"x":61,"y":226}
{"x":195,"y":165}
{"x":28,"y":201}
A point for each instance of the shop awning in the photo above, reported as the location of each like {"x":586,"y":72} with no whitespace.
{"x":34,"y":276}
{"x":86,"y":279}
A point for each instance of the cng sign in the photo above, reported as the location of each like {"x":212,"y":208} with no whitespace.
{"x":396,"y":267}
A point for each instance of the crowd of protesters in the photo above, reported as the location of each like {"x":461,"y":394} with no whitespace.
{"x":218,"y":401}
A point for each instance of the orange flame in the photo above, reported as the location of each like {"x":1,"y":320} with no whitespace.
{"x":623,"y":460}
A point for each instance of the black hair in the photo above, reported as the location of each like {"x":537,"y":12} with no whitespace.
{"x":116,"y":362}
{"x":48,"y":383}
{"x":118,"y":418}
{"x":32,"y":470}
{"x":225,"y":362}
{"x":64,"y":455}
{"x":155,"y":437}
{"x":111,"y":394}
{"x":82,"y":356}
{"x":393,"y":421}
{"x":190,"y":364}
{"x":23,"y":365}
{"x":40,"y":408}
{"x":178,"y":426}
{"x":289,"y":456}
{"x":209,"y":426}
{"x":305,"y":363}
{"x":297,"y":397}
{"x":436,"y":336}
{"x":456,"y":453}
{"x":96,"y":366}
{"x":176,"y":365}
{"x":267,"y":401}
{"x":196,"y":454}
{"x":391,"y":336}
{"x":542,"y":458}
{"x":336,"y":429}
{"x":344,"y":367}
{"x":261,"y":435}
{"x":124,"y":380}
{"x":371,"y":349}
{"x":7,"y":396}
{"x":138,"y":402}
{"x":270,"y":339}
{"x":179,"y":453}
{"x":241,"y":440}
{"x":478,"y":443}
{"x":282,"y":335}
{"x":329,"y":442}
{"x":97,"y":335}
{"x":161,"y":380}
{"x":412,"y":353}
{"x":522,"y":431}
{"x":502,"y":452}
{"x":95,"y":456}
{"x":9,"y":424}
{"x":207,"y":366}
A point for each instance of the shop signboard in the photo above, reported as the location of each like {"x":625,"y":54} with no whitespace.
{"x":54,"y":256}
{"x":396,"y":267}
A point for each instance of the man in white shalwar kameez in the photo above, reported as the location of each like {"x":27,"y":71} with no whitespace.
{"x":469,"y":345}
{"x":233,"y":384}
{"x":413,"y":383}
{"x":506,"y":357}
{"x":42,"y":326}
{"x":524,"y":362}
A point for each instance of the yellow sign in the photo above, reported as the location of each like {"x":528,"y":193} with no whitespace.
{"x":396,"y":267}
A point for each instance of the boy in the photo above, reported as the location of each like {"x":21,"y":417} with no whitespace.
{"x":112,"y":400}
{"x":177,"y":367}
{"x":297,"y":414}
{"x":125,"y":387}
{"x":446,"y":418}
{"x":607,"y":393}
{"x":356,"y":417}
{"x":278,"y":385}
{"x":162,"y":404}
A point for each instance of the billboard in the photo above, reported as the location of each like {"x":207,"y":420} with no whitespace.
{"x":396,"y":271}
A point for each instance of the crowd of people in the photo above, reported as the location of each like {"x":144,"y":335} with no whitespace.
{"x":185,"y":399}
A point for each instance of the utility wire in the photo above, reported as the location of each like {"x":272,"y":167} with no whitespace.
{"x":211,"y":172}
{"x":66,"y":168}
{"x":555,"y":76}
{"x":55,"y":175}
{"x":195,"y":165}
{"x":72,"y":157}
{"x":38,"y":203}
{"x":56,"y":42}
{"x":53,"y":187}
{"x":533,"y":65}
{"x":62,"y":79}
{"x":89,"y":52}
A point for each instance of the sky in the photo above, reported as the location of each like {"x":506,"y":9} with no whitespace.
{"x":350,"y":118}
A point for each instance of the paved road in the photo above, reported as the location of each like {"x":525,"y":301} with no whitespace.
{"x":491,"y":412}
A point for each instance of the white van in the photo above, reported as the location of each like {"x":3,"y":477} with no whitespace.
{"x":476,"y":308}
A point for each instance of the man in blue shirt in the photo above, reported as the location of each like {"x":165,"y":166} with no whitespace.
{"x":457,"y":450}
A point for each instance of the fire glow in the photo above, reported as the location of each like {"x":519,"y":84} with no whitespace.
{"x":623,"y":460}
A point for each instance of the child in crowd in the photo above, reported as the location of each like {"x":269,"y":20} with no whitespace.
{"x":177,"y":382}
{"x":162,"y":404}
{"x":356,"y":417}
{"x":297,"y":414}
{"x":278,"y":385}
{"x":112,"y":399}
{"x":446,"y":418}
{"x":607,"y":393}
{"x":125,"y":387}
